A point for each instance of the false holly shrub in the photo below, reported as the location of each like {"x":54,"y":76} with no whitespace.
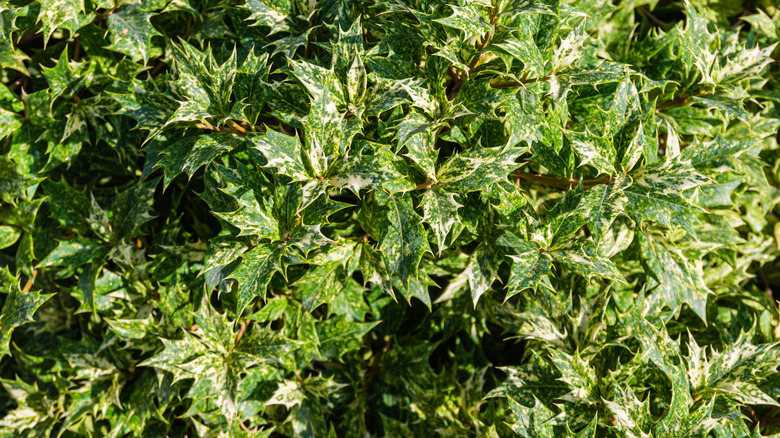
{"x":488,"y":218}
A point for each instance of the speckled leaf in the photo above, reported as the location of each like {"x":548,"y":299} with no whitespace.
{"x":324,"y":128}
{"x":9,"y":123}
{"x":189,"y":154}
{"x":533,"y":422}
{"x":594,"y":151}
{"x":676,"y":279}
{"x":253,"y":217}
{"x":274,"y":14}
{"x":131,"y":209}
{"x":468,"y":19}
{"x":403,"y":241}
{"x":55,"y":14}
{"x":656,"y":194}
{"x":732,"y":372}
{"x":526,"y":383}
{"x":582,"y":259}
{"x":482,"y":269}
{"x":602,"y":204}
{"x":132,"y":32}
{"x":74,"y":253}
{"x":482,"y":168}
{"x":206,"y":85}
{"x":316,"y":79}
{"x":8,"y":236}
{"x":440,"y":211}
{"x":283,"y":153}
{"x":18,"y":309}
{"x":372,"y":166}
{"x":529,"y":268}
{"x":151,"y":108}
{"x":257,"y":267}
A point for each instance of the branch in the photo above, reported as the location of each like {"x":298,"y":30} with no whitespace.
{"x":560,"y":183}
{"x":30,"y":281}
{"x":242,"y":132}
{"x":374,"y":368}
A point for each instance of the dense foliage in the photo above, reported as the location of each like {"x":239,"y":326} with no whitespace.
{"x":389,"y":218}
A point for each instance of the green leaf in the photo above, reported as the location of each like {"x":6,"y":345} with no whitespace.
{"x":373,"y":167}
{"x":482,"y":168}
{"x":482,"y":269}
{"x":9,"y":123}
{"x":74,"y":253}
{"x":206,"y":86}
{"x":317,"y":79}
{"x":131,"y":209}
{"x":273,"y":14}
{"x":602,"y":204}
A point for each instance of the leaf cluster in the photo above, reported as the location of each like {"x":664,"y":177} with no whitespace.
{"x":482,"y":218}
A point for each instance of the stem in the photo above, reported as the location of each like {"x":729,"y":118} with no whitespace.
{"x":239,"y":131}
{"x":649,"y":15}
{"x":425,"y":185}
{"x":241,"y":330}
{"x":28,"y":285}
{"x":560,"y":183}
{"x":238,"y":127}
{"x":374,"y":370}
{"x":77,"y":49}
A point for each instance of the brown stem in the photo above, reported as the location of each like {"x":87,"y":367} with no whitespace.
{"x":764,"y":278}
{"x":425,"y":185}
{"x":374,"y":370}
{"x":242,"y":132}
{"x":28,"y":36}
{"x":77,"y":49}
{"x":28,"y":285}
{"x":560,"y":183}
{"x":17,"y":83}
{"x":157,"y":69}
{"x":238,"y":127}
{"x":644,"y":11}
{"x":241,"y":330}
